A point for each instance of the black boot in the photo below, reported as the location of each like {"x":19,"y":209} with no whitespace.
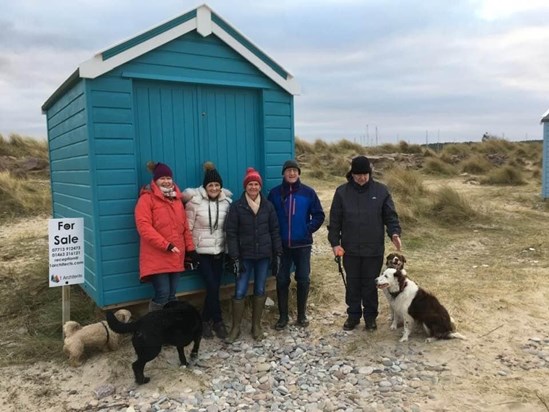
{"x":302,"y":295}
{"x":282,"y":297}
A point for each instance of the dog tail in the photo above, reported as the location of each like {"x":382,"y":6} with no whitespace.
{"x":70,"y":327}
{"x":120,"y":327}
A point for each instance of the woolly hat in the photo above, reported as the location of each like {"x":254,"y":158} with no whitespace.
{"x":361,"y":165}
{"x":159,"y":170}
{"x":291,"y":164}
{"x":252,"y":175}
{"x":211,"y":175}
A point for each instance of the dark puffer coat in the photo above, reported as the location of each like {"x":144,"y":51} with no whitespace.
{"x":252,"y":236}
{"x":358,"y":216}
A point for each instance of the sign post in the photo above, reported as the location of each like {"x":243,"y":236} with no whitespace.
{"x":66,"y":257}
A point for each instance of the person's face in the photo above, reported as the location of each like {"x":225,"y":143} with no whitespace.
{"x":361,"y":178}
{"x":252,"y":189}
{"x":291,"y":175}
{"x":165,"y":181}
{"x":213,"y":189}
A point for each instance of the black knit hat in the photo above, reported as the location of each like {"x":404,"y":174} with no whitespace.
{"x":291,"y":163}
{"x":211,"y":175}
{"x":361,"y":165}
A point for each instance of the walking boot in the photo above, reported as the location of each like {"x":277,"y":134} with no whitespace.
{"x":351,"y":323}
{"x":258,"y":305}
{"x":219,"y":329}
{"x":238,"y":311}
{"x":302,"y":295}
{"x":207,"y":330}
{"x":282,"y":297}
{"x":154,"y":306}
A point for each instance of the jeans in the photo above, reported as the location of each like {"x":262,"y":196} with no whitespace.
{"x":301,"y":258}
{"x":211,"y":269}
{"x":165,"y":286}
{"x":259,"y":269}
{"x":361,"y":293}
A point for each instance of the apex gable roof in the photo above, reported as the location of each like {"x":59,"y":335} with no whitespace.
{"x":545,"y":117}
{"x":201,"y":19}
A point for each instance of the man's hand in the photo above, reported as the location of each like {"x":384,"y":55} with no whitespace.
{"x":397,"y":242}
{"x":338,"y":251}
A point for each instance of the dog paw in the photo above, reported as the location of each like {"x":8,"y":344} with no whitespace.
{"x":404,"y":339}
{"x":143,"y":381}
{"x":393,"y":326}
{"x":194,"y":355}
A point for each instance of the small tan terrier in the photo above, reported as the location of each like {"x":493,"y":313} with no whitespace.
{"x":97,"y":336}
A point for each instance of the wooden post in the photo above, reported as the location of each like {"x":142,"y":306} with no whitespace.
{"x":65,"y":305}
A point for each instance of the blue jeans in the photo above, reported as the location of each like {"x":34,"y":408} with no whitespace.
{"x":259,"y":269}
{"x":165,"y":286}
{"x":211,"y":269}
{"x":301,"y":258}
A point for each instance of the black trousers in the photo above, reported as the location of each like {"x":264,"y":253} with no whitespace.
{"x":361,"y":293}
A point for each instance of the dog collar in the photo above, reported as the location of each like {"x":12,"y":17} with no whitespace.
{"x":106,"y":330}
{"x":395,"y":294}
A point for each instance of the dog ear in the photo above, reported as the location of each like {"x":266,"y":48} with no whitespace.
{"x":403,"y":258}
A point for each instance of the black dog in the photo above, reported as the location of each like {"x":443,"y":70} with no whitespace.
{"x":177,"y":324}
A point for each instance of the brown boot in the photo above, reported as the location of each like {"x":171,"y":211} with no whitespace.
{"x":258,"y":305}
{"x":238,"y":311}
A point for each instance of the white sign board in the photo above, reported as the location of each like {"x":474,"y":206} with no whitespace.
{"x":66,"y":244}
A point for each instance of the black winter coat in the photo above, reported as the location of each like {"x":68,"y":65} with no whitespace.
{"x":251,"y":236}
{"x":358,"y":215}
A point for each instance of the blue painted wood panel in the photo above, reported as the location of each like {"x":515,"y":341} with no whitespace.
{"x":545,"y":165}
{"x":191,"y":100}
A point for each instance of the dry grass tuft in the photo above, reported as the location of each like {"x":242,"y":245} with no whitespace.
{"x":506,"y":175}
{"x":18,"y":146}
{"x":449,"y":207}
{"x":476,"y":165}
{"x":436,"y":166}
{"x":20,"y":197}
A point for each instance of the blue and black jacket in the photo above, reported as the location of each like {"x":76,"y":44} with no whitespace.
{"x":299,"y":213}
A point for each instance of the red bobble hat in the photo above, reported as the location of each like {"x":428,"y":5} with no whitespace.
{"x":252,"y":175}
{"x":159,"y":170}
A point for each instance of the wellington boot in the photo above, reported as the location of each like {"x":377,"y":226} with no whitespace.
{"x":257,"y":312}
{"x":154,"y":306}
{"x":238,"y":311}
{"x":302,"y":295}
{"x":282,"y":296}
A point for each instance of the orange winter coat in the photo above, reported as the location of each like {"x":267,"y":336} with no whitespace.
{"x":161,"y":221}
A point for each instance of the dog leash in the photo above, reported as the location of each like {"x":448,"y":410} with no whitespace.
{"x":340,"y":267}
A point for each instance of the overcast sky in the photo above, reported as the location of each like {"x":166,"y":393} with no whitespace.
{"x":416,"y":70}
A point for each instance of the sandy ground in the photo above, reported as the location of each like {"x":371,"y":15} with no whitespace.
{"x":503,"y":366}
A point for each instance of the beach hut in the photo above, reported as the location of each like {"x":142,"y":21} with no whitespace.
{"x":188,"y":90}
{"x":545,"y":167}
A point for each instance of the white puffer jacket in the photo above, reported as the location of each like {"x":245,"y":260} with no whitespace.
{"x":206,"y":219}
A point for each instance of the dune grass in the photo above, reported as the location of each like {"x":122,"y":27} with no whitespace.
{"x":437,"y":209}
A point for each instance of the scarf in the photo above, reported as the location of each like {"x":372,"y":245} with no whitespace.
{"x":254,"y":204}
{"x":168,"y":192}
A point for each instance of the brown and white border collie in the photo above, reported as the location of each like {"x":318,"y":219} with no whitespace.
{"x":395,"y":261}
{"x":411,"y":303}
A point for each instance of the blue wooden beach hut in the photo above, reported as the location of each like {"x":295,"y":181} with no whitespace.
{"x":545,"y":166}
{"x":189,"y":90}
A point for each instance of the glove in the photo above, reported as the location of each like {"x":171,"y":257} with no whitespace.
{"x":275,"y":265}
{"x":232,"y":265}
{"x":191,"y":260}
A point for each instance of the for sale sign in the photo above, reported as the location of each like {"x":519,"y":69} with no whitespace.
{"x":66,"y":244}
